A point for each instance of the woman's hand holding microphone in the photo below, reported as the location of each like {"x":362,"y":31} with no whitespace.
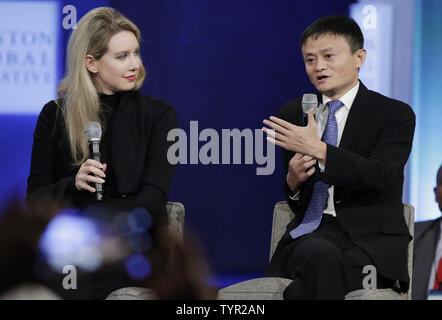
{"x":91,"y":171}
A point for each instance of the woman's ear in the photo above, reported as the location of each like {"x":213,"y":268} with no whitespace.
{"x":91,"y":64}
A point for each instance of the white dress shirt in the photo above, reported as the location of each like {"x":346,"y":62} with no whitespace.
{"x":341,"y":118}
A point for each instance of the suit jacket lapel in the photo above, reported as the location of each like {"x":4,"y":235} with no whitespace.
{"x":424,"y":254}
{"x":356,"y":117}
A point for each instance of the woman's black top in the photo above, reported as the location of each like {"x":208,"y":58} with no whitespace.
{"x":134,"y":146}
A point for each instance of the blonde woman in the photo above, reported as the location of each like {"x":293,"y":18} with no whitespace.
{"x":104,"y":73}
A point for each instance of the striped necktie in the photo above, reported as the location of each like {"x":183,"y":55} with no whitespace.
{"x":315,"y":209}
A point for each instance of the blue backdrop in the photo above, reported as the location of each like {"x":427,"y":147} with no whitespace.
{"x":227,"y":64}
{"x":426,"y":156}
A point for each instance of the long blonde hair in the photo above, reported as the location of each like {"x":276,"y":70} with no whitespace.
{"x":80,"y":100}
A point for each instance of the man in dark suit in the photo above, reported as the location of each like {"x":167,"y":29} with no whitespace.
{"x":346,"y":188}
{"x":427,"y":249}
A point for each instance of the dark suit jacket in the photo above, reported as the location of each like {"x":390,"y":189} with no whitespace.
{"x":139,"y":155}
{"x":367,"y":172}
{"x":426,"y":235}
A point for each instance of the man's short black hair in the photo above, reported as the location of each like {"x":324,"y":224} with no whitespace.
{"x":339,"y":26}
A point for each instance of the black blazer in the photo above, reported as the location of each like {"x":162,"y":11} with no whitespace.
{"x":426,"y":235}
{"x":367,"y":172}
{"x":139,"y":155}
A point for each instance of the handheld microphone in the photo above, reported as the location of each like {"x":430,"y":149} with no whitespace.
{"x":93,"y":133}
{"x":309,"y":101}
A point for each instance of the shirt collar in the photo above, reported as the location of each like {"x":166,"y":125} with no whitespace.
{"x":347,"y":99}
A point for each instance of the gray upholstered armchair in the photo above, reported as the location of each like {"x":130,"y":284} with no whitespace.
{"x":272,"y":288}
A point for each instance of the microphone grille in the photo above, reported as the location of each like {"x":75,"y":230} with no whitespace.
{"x":309,"y":101}
{"x":93,"y":131}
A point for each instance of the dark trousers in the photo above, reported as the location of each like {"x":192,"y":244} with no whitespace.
{"x":325,"y":264}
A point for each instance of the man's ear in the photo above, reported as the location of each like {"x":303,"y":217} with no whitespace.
{"x":91,"y":64}
{"x":360,"y":56}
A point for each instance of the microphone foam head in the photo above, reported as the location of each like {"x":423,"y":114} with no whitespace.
{"x":309,"y":101}
{"x":93,"y":131}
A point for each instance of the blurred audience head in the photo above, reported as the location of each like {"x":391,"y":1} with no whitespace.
{"x":438,"y":188}
{"x":37,"y":243}
{"x":180,"y":270}
{"x":20,"y":230}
